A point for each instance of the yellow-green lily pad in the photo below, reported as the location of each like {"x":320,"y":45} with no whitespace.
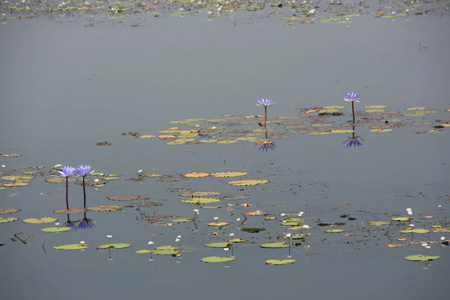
{"x":217,"y":259}
{"x":72,"y":247}
{"x":218,"y":245}
{"x":6,"y":220}
{"x":334,"y":230}
{"x":420,"y":257}
{"x":279,"y":261}
{"x":274,"y":245}
{"x":114,"y":245}
{"x":56,"y":229}
{"x":39,"y":221}
{"x":415,"y":230}
{"x":401,"y":219}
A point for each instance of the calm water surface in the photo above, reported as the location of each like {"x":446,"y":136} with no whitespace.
{"x":65,"y":87}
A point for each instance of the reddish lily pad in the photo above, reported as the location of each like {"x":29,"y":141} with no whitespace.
{"x":124,"y":198}
{"x":70,"y":211}
{"x":4,"y":211}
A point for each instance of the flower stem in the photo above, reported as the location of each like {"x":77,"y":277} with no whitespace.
{"x":67,"y":192}
{"x":84,"y":191}
{"x":265,"y":116}
{"x":353,"y":110}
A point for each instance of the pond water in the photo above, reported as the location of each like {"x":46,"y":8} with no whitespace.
{"x":73,"y":81}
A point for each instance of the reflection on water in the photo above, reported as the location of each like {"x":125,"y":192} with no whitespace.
{"x":354,"y":140}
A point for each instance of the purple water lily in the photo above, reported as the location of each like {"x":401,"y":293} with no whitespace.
{"x":83,"y":170}
{"x":352,"y":97}
{"x":266,"y":103}
{"x":67,"y":171}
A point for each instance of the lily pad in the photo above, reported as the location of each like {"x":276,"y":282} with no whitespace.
{"x":39,"y":221}
{"x":114,"y":245}
{"x":217,"y":259}
{"x":254,"y":213}
{"x":236,"y":240}
{"x":279,"y":261}
{"x":72,"y":247}
{"x":441,"y":230}
{"x":200,"y":194}
{"x":201,"y":200}
{"x":196,"y":174}
{"x":289,"y":223}
{"x":218,"y":224}
{"x":248,"y":182}
{"x":144,"y":251}
{"x":106,"y":208}
{"x":5,"y":211}
{"x":274,"y":245}
{"x":56,"y":229}
{"x":6,"y":220}
{"x":235,"y":198}
{"x":124,"y":198}
{"x":252,"y":230}
{"x":69,"y":211}
{"x":181,"y":220}
{"x":228,"y":174}
{"x":60,"y":179}
{"x":218,"y":245}
{"x":334,"y":230}
{"x":415,"y":230}
{"x":420,"y":257}
{"x":401,"y":219}
{"x":166,"y":250}
{"x":379,"y":223}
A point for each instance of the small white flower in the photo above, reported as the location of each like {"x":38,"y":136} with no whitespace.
{"x":424,"y":244}
{"x":216,"y":218}
{"x":428,"y":247}
{"x":109,"y":236}
{"x":226,"y":249}
{"x":56,"y":224}
{"x":238,"y":219}
{"x":177,"y":240}
{"x":179,"y":236}
{"x":411,"y":225}
{"x":139,"y":171}
{"x":231,"y":234}
{"x":82,"y":242}
{"x":3,"y":166}
{"x":442,"y":238}
{"x":58,"y":165}
{"x":151,"y":242}
{"x":300,"y":213}
{"x":282,"y":214}
{"x":306,"y":226}
{"x":288,"y":235}
{"x":196,"y":211}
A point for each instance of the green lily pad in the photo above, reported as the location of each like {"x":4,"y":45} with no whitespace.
{"x":186,"y":220}
{"x":216,"y":259}
{"x":6,"y":220}
{"x":218,"y":245}
{"x":420,"y":257}
{"x":166,"y":250}
{"x":144,"y":251}
{"x":114,"y":245}
{"x":201,"y":200}
{"x":72,"y":247}
{"x":379,"y":223}
{"x":297,"y":236}
{"x":39,"y":221}
{"x":415,"y":230}
{"x":289,"y":223}
{"x":56,"y":229}
{"x":279,"y":261}
{"x":401,"y":219}
{"x":334,"y":230}
{"x":274,"y":245}
{"x":218,"y":224}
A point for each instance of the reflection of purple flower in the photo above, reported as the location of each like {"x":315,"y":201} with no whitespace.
{"x":86,"y":224}
{"x":265,"y":102}
{"x":267,"y":145}
{"x":67,"y":171}
{"x":351,"y":97}
{"x":71,"y":224}
{"x":83,"y":170}
{"x":353,"y":142}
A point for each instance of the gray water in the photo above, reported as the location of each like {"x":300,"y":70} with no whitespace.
{"x":66,"y":86}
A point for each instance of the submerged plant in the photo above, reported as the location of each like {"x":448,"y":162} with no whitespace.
{"x":266,"y":103}
{"x":83,"y":171}
{"x":352,"y":97}
{"x":67,"y":171}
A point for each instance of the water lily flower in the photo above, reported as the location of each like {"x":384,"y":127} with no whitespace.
{"x":267,"y":145}
{"x":83,"y":170}
{"x":67,"y":171}
{"x":109,"y":236}
{"x":265,"y":102}
{"x":351,"y":97}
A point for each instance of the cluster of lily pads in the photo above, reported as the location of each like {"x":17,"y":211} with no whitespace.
{"x":287,"y":231}
{"x":292,"y":12}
